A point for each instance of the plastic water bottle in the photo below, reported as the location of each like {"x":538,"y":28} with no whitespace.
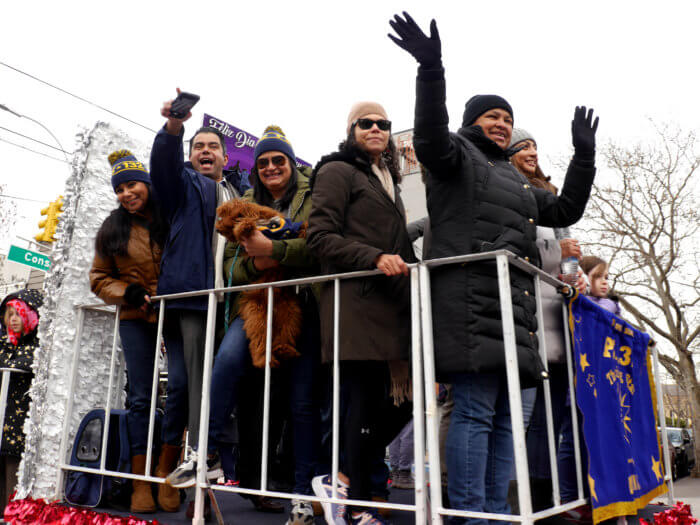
{"x":569,"y":265}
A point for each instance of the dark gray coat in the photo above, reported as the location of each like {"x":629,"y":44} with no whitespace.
{"x":352,"y":222}
{"x":478,"y":202}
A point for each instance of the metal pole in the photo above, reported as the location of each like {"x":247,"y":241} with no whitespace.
{"x":110,"y":386}
{"x":201,"y":485}
{"x":154,"y":387}
{"x":431,"y":411}
{"x":418,"y":415}
{"x":69,"y":405}
{"x":572,"y":398}
{"x":336,"y":389}
{"x":514,"y":397}
{"x":551,"y":439}
{"x":266,"y":392}
{"x":662,"y":420}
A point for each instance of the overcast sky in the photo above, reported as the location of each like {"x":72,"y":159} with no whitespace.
{"x":301,"y":65}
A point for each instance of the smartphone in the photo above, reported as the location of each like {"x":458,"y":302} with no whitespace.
{"x":183,"y":104}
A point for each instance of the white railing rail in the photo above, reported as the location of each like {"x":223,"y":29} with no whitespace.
{"x":425,"y":409}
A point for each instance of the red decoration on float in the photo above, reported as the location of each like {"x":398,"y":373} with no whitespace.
{"x":679,"y":514}
{"x":37,"y":511}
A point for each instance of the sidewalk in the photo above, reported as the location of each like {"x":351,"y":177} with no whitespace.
{"x":687,"y":490}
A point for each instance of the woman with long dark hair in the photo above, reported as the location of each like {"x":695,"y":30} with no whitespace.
{"x":125,"y":272}
{"x":358,"y":222}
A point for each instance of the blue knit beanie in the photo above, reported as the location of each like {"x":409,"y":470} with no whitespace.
{"x":125,"y":167}
{"x":274,"y":139}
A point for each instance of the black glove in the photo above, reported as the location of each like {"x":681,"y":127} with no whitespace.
{"x":583,"y":129}
{"x":135,"y":295}
{"x":427,"y":51}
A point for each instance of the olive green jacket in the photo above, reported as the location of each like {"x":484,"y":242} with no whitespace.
{"x":291,"y":253}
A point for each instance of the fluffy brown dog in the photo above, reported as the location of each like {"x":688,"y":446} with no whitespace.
{"x":236,"y":220}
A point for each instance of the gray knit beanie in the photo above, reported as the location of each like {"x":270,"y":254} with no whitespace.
{"x":519,"y":135}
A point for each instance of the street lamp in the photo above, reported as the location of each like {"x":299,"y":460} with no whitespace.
{"x":5,"y":108}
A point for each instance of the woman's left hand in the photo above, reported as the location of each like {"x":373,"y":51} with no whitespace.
{"x":257,"y":245}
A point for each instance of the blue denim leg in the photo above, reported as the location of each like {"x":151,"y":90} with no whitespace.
{"x":139,"y":345}
{"x":479,"y":445}
{"x":566,"y":460}
{"x":176,"y":403}
{"x":230,"y":365}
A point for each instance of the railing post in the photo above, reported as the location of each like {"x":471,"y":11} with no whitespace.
{"x":67,"y":416}
{"x":266,"y":391}
{"x":154,"y":387}
{"x":662,"y":421}
{"x":431,"y":411}
{"x":514,"y":397}
{"x":198,"y":518}
{"x":335,"y":438}
{"x":110,"y":387}
{"x":418,"y":415}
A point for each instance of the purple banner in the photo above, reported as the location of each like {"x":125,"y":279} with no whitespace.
{"x":240,"y":144}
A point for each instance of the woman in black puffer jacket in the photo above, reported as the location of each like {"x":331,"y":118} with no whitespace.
{"x":478,"y":202}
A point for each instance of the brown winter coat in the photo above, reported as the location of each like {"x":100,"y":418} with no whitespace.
{"x":109,"y":276}
{"x":352,"y":222}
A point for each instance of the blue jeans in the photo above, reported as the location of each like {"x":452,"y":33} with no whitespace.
{"x":302,"y":373}
{"x":138,"y":339}
{"x":479,"y":445}
{"x":566,"y":460}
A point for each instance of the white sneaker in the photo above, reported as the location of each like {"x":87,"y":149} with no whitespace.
{"x":302,"y":513}
{"x":335,"y":513}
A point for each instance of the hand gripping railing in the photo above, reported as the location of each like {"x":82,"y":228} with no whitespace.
{"x":423,"y":381}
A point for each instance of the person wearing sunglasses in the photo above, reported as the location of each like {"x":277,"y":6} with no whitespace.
{"x":358,"y":222}
{"x":478,"y":202}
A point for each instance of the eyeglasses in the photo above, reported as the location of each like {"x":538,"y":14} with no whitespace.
{"x":367,"y":123}
{"x":277,"y":160}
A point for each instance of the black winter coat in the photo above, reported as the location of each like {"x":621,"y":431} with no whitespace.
{"x":478,"y":202}
{"x":21,"y":357}
{"x":353,"y":221}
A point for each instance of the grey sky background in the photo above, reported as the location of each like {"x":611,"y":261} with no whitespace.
{"x":301,"y":65}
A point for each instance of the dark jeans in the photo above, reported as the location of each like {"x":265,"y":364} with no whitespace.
{"x":297,"y":380}
{"x":566,"y":460}
{"x":372,"y":421}
{"x":138,"y":339}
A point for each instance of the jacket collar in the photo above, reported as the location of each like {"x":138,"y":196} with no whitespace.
{"x":476,"y":136}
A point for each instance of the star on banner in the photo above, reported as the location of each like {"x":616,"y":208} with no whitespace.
{"x":584,"y":362}
{"x":656,"y":467}
{"x":591,"y":484}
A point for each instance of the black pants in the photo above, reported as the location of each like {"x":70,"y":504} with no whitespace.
{"x":372,"y":420}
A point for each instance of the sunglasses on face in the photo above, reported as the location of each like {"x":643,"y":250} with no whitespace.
{"x":367,"y":123}
{"x":277,"y":160}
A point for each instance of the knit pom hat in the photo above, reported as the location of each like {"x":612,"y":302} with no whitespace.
{"x":274,"y":139}
{"x":480,"y":104}
{"x":125,"y":167}
{"x":519,"y":135}
{"x":360,"y":109}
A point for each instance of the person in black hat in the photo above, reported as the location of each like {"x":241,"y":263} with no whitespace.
{"x":478,"y":202}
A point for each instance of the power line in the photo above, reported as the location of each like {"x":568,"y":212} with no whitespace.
{"x":76,"y":96}
{"x":33,"y":151}
{"x":22,"y":198}
{"x":35,"y":140}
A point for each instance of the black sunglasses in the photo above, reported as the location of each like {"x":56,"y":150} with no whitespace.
{"x":367,"y":123}
{"x":277,"y":160}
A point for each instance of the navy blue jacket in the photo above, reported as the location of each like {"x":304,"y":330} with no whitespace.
{"x":188,"y":202}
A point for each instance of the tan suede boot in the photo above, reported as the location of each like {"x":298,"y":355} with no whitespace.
{"x":168,"y":497}
{"x":141,"y":497}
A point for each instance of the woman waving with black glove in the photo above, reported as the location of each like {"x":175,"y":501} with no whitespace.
{"x":478,"y":202}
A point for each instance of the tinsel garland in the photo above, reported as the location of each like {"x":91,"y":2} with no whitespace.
{"x":30,"y":511}
{"x":88,"y":199}
{"x":679,"y":514}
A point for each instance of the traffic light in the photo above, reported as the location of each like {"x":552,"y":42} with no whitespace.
{"x":52,"y":211}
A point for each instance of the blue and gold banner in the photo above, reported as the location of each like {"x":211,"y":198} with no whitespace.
{"x":616,"y":394}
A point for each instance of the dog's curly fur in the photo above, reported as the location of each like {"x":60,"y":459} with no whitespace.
{"x":236,"y":220}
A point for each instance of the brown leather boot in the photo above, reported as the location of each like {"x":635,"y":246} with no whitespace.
{"x":168,"y":497}
{"x":141,"y":497}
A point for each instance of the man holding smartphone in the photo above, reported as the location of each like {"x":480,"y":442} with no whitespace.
{"x":188,"y":193}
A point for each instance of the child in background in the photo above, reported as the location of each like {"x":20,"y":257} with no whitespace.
{"x":597,"y":271}
{"x":20,"y":319}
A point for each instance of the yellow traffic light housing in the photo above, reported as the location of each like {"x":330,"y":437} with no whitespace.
{"x":49,"y":224}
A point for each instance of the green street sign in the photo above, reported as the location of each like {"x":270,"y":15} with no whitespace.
{"x":29,"y":258}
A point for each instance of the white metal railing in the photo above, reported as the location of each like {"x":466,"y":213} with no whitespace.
{"x":423,"y":381}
